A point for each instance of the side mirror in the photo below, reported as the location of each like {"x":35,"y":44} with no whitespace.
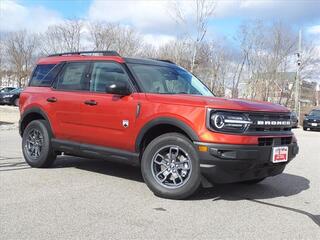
{"x":306,"y":115}
{"x":118,"y":88}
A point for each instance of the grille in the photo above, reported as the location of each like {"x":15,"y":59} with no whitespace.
{"x":274,"y":141}
{"x":278,"y":118}
{"x":265,"y":141}
{"x":314,"y":121}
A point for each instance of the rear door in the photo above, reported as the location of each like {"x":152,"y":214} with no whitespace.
{"x":110,"y":120}
{"x":66,"y":98}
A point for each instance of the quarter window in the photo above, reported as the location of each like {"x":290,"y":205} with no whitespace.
{"x":44,"y":75}
{"x":74,"y":77}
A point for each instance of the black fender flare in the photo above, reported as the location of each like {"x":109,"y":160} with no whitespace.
{"x":31,"y":110}
{"x":165,"y":120}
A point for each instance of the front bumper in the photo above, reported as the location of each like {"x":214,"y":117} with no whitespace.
{"x":309,"y":124}
{"x":224,"y":163}
{"x":5,"y":100}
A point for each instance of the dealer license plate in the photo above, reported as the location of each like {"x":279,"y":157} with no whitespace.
{"x":279,"y":154}
{"x":314,"y":124}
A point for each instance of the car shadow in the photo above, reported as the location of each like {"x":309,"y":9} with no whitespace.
{"x":283,"y":185}
{"x":100,"y":166}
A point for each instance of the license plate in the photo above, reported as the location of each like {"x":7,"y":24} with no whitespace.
{"x":314,"y":124}
{"x":279,"y":154}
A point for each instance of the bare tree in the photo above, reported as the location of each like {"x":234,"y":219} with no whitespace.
{"x":21,"y":49}
{"x":65,"y":37}
{"x":108,"y":36}
{"x":102,"y":35}
{"x":196,"y":29}
{"x":177,"y":51}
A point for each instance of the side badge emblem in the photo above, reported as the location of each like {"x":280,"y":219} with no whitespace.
{"x":125,"y":123}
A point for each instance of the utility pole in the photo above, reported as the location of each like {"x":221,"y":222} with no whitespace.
{"x":297,"y":83}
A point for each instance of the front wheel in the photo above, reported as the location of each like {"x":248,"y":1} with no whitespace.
{"x":36,"y":144}
{"x":170,"y":166}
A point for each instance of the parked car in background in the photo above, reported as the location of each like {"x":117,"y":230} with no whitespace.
{"x":12,"y":97}
{"x":312,"y":120}
{"x":6,"y":89}
{"x":294,"y":120}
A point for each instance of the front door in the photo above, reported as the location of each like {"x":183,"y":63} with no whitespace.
{"x":109,"y":119}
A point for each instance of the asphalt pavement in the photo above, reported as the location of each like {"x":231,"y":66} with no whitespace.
{"x":89,"y":199}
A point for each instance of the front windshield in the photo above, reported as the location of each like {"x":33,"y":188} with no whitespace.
{"x":15,"y":90}
{"x":168,"y":80}
{"x":315,"y":113}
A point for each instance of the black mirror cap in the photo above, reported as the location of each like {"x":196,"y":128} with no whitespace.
{"x":118,"y":88}
{"x":306,"y":115}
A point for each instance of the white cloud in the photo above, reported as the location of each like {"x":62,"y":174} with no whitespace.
{"x":14,"y":16}
{"x":146,"y":16}
{"x":295,"y":10}
{"x":158,"y":40}
{"x":314,"y":29}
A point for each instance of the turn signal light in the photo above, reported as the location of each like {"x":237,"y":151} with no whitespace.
{"x":203,"y":148}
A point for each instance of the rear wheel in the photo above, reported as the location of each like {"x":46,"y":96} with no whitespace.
{"x":170,"y":166}
{"x":36,"y":144}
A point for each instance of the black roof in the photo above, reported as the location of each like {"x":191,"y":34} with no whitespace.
{"x":158,"y":62}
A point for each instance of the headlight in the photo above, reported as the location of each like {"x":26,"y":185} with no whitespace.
{"x":228,"y":121}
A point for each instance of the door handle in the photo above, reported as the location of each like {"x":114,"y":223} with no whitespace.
{"x":90,"y":102}
{"x":52,"y":99}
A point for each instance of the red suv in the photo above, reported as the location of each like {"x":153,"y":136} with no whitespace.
{"x":153,"y":113}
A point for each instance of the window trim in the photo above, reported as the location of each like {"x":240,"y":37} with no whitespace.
{"x":55,"y":82}
{"x":133,"y":87}
{"x":129,"y":65}
{"x":132,"y":82}
{"x":54,"y":78}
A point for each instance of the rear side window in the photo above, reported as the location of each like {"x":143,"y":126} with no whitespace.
{"x":74,"y":77}
{"x":44,"y":75}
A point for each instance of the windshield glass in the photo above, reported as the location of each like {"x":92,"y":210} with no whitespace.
{"x":315,"y":113}
{"x":168,"y":80}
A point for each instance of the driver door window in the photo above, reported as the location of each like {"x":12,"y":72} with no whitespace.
{"x":105,"y":74}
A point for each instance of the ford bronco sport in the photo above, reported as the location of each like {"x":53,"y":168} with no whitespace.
{"x":154,"y":113}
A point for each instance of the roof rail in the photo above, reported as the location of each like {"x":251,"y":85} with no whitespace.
{"x":163,"y":60}
{"x":104,"y":53}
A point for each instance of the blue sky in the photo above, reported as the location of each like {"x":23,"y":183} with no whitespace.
{"x":152,"y":18}
{"x":67,"y":8}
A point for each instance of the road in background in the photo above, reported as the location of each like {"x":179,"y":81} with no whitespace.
{"x":89,"y":199}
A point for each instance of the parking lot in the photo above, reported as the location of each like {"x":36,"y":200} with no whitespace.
{"x":89,"y":199}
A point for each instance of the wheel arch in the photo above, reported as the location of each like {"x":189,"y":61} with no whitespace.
{"x":30,"y":115}
{"x":159,"y":126}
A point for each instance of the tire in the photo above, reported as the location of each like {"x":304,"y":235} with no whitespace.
{"x":305,"y":129}
{"x":38,"y":134}
{"x":16,"y":102}
{"x":185,"y":164}
{"x":253,"y":181}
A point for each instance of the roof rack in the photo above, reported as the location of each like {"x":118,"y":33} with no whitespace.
{"x":163,"y":60}
{"x":104,"y":53}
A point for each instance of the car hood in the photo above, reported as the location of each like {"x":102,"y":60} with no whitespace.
{"x":216,"y":102}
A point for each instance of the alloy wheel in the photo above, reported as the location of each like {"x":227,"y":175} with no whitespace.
{"x":171,"y":166}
